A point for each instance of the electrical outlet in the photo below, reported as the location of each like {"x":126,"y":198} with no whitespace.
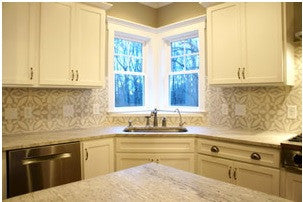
{"x":11,"y":113}
{"x":240,"y":110}
{"x":28,"y":112}
{"x":224,"y":109}
{"x":292,"y":111}
{"x":96,"y":108}
{"x":68,"y":110}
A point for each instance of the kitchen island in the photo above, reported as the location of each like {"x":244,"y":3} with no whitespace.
{"x":149,"y":182}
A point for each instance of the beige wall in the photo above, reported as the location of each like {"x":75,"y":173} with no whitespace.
{"x":145,"y":15}
{"x":134,"y":12}
{"x":179,"y":11}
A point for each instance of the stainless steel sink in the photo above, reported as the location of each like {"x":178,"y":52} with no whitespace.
{"x":155,"y":129}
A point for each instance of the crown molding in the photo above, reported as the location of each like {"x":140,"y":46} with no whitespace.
{"x":130,"y":24}
{"x":155,"y":5}
{"x":102,"y":5}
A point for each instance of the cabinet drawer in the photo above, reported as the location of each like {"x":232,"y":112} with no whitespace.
{"x":155,"y":145}
{"x":250,"y":154}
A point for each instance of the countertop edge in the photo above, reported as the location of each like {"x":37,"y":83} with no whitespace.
{"x":94,"y":135}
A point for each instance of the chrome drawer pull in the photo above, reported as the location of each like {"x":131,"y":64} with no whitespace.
{"x":229,"y":172}
{"x":239,"y":73}
{"x":255,"y":156}
{"x":86,"y":152}
{"x":243,"y":73}
{"x":32,"y":74}
{"x":235,"y":173}
{"x":73,"y":75}
{"x":214,"y":149}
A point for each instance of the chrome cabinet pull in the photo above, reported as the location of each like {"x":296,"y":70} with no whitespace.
{"x":243,"y":73}
{"x":32,"y":74}
{"x":214,"y":149}
{"x":77,"y":77}
{"x":255,"y":156}
{"x":73,"y":75}
{"x":41,"y":159}
{"x":86,"y":152}
{"x":235,"y":173}
{"x":239,"y":73}
{"x":229,"y":173}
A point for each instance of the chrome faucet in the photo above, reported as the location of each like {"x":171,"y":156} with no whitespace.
{"x":155,"y":114}
{"x":181,"y":123}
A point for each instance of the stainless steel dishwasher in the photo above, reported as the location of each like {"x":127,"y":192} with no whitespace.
{"x":43,"y":167}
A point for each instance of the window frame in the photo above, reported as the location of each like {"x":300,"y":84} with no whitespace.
{"x":156,"y":62}
{"x":181,"y":33}
{"x":127,"y":33}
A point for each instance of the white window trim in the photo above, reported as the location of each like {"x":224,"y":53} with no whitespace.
{"x":125,"y":32}
{"x":179,"y":33}
{"x":153,"y":61}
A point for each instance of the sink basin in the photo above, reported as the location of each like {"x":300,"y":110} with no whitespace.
{"x":155,"y":129}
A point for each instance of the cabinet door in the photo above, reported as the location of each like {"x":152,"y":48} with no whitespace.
{"x":20,"y":43}
{"x":90,"y":46}
{"x":98,"y":157}
{"x":263,"y":42}
{"x":215,"y":168}
{"x":257,"y":177}
{"x":224,"y":43}
{"x":293,"y":186}
{"x":4,"y":176}
{"x":55,"y":46}
{"x":128,"y":160}
{"x":179,"y":161}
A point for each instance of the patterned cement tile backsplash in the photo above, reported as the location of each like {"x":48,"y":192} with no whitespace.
{"x":266,"y":108}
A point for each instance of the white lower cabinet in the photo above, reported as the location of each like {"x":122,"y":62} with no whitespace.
{"x":174,"y":152}
{"x":4,"y":176}
{"x":251,"y":176}
{"x":215,"y":168}
{"x":97,"y":157}
{"x":126,"y":160}
{"x":180,"y":161}
{"x":291,"y":185}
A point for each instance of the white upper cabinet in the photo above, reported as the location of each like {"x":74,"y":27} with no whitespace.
{"x":248,"y":43}
{"x":20,"y":31}
{"x":90,"y":45}
{"x":72,"y":45}
{"x":223,"y":44}
{"x":56,"y":43}
{"x":69,"y":36}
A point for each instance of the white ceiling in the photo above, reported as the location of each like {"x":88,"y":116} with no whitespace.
{"x":155,"y":4}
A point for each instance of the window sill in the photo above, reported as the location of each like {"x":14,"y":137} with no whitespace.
{"x":147,"y":113}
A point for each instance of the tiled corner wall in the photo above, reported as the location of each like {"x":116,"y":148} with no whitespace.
{"x":266,"y":108}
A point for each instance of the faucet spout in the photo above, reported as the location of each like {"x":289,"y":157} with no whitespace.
{"x":155,"y":114}
{"x":181,"y":123}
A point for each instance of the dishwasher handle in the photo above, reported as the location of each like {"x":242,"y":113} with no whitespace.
{"x":41,"y":159}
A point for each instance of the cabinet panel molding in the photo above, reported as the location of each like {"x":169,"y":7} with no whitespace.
{"x":97,"y":157}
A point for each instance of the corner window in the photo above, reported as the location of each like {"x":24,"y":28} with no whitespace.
{"x":161,"y":68}
{"x":184,"y":73}
{"x":128,"y":73}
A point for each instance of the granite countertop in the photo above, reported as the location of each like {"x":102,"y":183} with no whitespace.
{"x":258,"y":138}
{"x":149,"y":182}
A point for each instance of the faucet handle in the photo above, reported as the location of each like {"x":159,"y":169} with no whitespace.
{"x":147,"y":120}
{"x":163,"y":122}
{"x":129,"y":123}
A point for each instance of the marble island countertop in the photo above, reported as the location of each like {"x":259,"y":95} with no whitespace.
{"x":258,"y":138}
{"x":149,"y":182}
